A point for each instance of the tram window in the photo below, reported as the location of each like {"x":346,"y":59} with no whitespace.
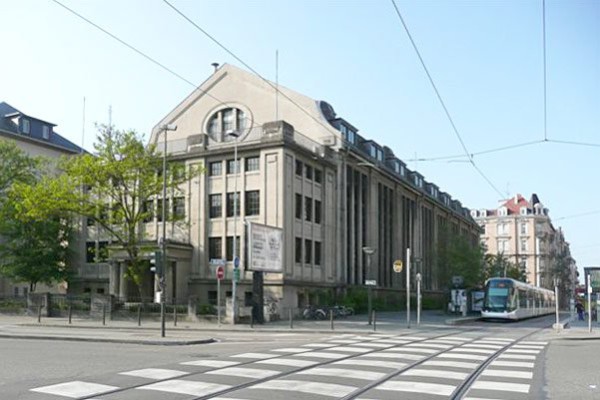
{"x":522,"y":298}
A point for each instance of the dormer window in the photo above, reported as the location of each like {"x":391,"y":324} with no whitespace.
{"x":351,"y":136}
{"x":523,"y":210}
{"x":46,"y":132}
{"x":25,"y":127}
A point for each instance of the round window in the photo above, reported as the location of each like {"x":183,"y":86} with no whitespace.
{"x":227,"y":124}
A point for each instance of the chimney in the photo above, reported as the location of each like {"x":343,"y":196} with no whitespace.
{"x":215,"y":66}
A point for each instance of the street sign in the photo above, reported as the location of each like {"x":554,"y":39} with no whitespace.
{"x":371,"y":282}
{"x":216,"y":261}
{"x":236,"y":274}
{"x":220,"y":272}
{"x":457,"y":281}
{"x":236,"y":262}
{"x":398,"y":266}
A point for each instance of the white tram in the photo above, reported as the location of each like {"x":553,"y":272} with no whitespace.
{"x":509,"y":299}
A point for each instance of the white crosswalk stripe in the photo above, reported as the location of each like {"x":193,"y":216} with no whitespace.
{"x":346,"y":373}
{"x":192,"y":388}
{"x":75,"y":389}
{"x":411,"y":350}
{"x":451,"y":364}
{"x":435,"y":373}
{"x":507,"y":374}
{"x":323,"y":389}
{"x":418,"y":387}
{"x":291,"y":350}
{"x":517,"y":356}
{"x":350,"y":349}
{"x":461,"y":356}
{"x":321,"y":354}
{"x":290,"y":362}
{"x":501,"y":386}
{"x":372,"y":363}
{"x":210,"y":363}
{"x":516,"y":364}
{"x":394,"y":356}
{"x":244,"y":372}
{"x":154,"y":373}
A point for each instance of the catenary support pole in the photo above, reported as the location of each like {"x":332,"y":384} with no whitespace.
{"x":408,"y":288}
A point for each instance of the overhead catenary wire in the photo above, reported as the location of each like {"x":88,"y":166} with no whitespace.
{"x":441,"y":100}
{"x":231,"y":53}
{"x":545,"y":70}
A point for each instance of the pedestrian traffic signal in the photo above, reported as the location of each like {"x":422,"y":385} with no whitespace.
{"x":156,"y":263}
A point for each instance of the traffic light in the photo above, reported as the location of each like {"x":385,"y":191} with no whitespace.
{"x":156,"y":263}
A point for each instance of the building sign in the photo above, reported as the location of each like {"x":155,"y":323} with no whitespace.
{"x":265,"y":248}
{"x":594,"y":273}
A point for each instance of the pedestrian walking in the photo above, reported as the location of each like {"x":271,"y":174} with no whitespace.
{"x":580,"y":310}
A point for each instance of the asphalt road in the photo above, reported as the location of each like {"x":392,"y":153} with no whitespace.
{"x":263,"y":365}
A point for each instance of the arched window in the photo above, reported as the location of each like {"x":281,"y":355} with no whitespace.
{"x":225,"y":120}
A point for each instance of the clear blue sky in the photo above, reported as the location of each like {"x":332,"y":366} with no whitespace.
{"x":486,"y":58}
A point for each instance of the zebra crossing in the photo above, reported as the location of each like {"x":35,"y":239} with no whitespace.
{"x":338,"y":367}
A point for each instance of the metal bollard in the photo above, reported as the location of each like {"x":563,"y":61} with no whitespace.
{"x":175,"y":316}
{"x":139,"y":315}
{"x":70,"y":314}
{"x":291,"y":319}
{"x":252,"y":320}
{"x":103,"y":314}
{"x":331,"y":318}
{"x":39,"y":314}
{"x":374,"y":321}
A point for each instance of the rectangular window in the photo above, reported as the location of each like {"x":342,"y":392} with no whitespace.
{"x":90,"y":252}
{"x":159,"y":204}
{"x":26,"y":127}
{"x":252,"y":164}
{"x":308,"y":208}
{"x":318,"y":176}
{"x":215,"y":168}
{"x":148,"y":211}
{"x":523,"y":245}
{"x":298,"y":206}
{"x":229,"y":247}
{"x":523,"y":228}
{"x":178,"y":208}
{"x":212,"y":297}
{"x":46,"y":132}
{"x":308,"y":251}
{"x":233,"y":204}
{"x":298,"y":252}
{"x":216,"y":206}
{"x":299,"y":168}
{"x":214,"y":247}
{"x":317,"y":253}
{"x":233,"y":166}
{"x":16,"y":291}
{"x":317,"y":212}
{"x":253,"y":202}
{"x":351,"y":136}
{"x":308,"y":172}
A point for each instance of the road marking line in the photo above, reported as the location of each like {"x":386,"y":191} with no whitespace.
{"x":512,"y":364}
{"x":321,"y":354}
{"x":345,"y":373}
{"x":245,"y":372}
{"x":413,"y":338}
{"x":377,"y":335}
{"x":316,"y":345}
{"x":394,"y":341}
{"x":291,"y":362}
{"x":323,"y":389}
{"x":75,"y":389}
{"x":193,"y":388}
{"x":291,"y":350}
{"x":499,"y":339}
{"x":508,"y":374}
{"x":483,"y":346}
{"x":255,"y":355}
{"x":350,"y":349}
{"x":502,"y":386}
{"x":343,"y":341}
{"x":470,"y":350}
{"x":210,"y":363}
{"x":462,"y":356}
{"x":375,"y":345}
{"x":428,"y":345}
{"x":155,"y":373}
{"x":477,"y":398}
{"x":372,"y":363}
{"x":418,"y":387}
{"x":411,"y":350}
{"x":458,"y":338}
{"x":538,"y":343}
{"x":516,"y":356}
{"x":435,"y":373}
{"x":511,"y":350}
{"x":454,"y":364}
{"x":394,"y":355}
{"x":526,"y":346}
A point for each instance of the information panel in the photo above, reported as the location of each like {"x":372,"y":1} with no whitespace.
{"x":265,"y":245}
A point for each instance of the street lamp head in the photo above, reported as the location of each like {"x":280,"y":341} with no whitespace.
{"x":368,"y":250}
{"x":168,"y":127}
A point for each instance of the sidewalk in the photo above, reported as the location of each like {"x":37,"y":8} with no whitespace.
{"x":187,"y":333}
{"x":579,"y":330}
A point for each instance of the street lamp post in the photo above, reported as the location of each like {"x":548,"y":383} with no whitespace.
{"x":556,"y":283}
{"x":236,"y":264}
{"x":369,"y":251}
{"x":163,"y":241}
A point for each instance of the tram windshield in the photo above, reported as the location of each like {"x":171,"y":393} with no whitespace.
{"x":498,"y":296}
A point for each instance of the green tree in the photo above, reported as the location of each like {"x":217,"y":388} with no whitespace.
{"x":115,"y":188}
{"x":497,"y":265}
{"x":33,"y":249}
{"x":456,"y":256}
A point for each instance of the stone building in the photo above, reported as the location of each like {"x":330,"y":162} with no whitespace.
{"x":305,"y":170}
